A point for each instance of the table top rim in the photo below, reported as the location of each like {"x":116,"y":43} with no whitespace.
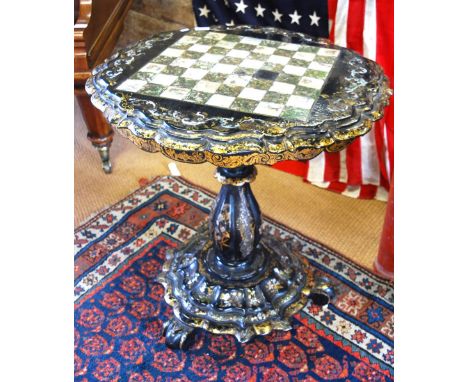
{"x":257,"y":140}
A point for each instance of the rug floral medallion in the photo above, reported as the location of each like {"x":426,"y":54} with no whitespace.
{"x":120,"y":308}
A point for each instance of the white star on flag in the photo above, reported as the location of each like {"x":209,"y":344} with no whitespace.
{"x":277,"y":15}
{"x":259,"y":10}
{"x":230,"y":24}
{"x":295,"y":17}
{"x":204,"y":11}
{"x":241,"y":6}
{"x":314,"y":19}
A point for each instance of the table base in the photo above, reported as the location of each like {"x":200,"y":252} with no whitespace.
{"x":243,"y":301}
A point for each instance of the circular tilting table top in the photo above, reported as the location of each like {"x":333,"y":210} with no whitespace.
{"x":239,"y":95}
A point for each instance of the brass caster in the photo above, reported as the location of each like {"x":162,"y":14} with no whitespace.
{"x":104,"y":154}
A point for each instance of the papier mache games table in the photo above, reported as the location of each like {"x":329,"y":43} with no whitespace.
{"x":237,"y":97}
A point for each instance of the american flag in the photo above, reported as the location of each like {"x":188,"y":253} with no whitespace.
{"x":364,"y":169}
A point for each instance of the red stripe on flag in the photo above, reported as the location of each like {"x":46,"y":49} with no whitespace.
{"x":355,"y":25}
{"x":385,"y":44}
{"x":354,"y":40}
{"x":292,"y":166}
{"x":332,"y":167}
{"x":337,"y":187}
{"x":331,"y":16}
{"x":368,"y":191}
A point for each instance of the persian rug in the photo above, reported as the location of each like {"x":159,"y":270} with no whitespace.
{"x":120,"y":309}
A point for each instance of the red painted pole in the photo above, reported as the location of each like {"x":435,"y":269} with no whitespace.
{"x":383,"y":264}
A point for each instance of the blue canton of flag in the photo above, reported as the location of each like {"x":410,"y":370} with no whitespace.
{"x":307,"y":16}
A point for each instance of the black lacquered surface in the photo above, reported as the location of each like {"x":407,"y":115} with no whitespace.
{"x":352,"y":96}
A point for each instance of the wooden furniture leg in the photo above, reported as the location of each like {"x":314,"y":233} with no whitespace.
{"x":100,"y":133}
{"x":383,"y":264}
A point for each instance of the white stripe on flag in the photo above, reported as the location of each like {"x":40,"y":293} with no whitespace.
{"x":341,"y":22}
{"x":352,"y":191}
{"x":370,"y":30}
{"x":382,"y":194}
{"x":387,"y":152}
{"x":343,"y":168}
{"x":316,"y":170}
{"x":369,"y":159}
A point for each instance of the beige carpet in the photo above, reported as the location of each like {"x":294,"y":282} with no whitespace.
{"x":351,"y":227}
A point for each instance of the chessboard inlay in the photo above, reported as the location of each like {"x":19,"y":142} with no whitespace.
{"x":246,"y":74}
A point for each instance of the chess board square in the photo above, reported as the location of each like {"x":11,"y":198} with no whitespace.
{"x":183,"y":62}
{"x":196,"y":96}
{"x":294,"y":70}
{"x":250,"y":40}
{"x":237,"y":80}
{"x":277,"y":68}
{"x":308,"y":49}
{"x":171,"y":52}
{"x":270,"y":43}
{"x":315,"y":74}
{"x":294,"y":113}
{"x":218,"y":50}
{"x":276,"y":97}
{"x":266,"y":74}
{"x":199,"y":48}
{"x":207,"y":86}
{"x":326,"y":60}
{"x":175,"y":92}
{"x":163,"y":79}
{"x":144,"y":76}
{"x":310,"y":82}
{"x":306,"y":92}
{"x":245,"y":71}
{"x":152,"y":68}
{"x":251,"y":93}
{"x":304,"y":56}
{"x":328,"y":52}
{"x":231,"y":37}
{"x":253,"y":64}
{"x":209,"y":57}
{"x":195,"y":73}
{"x":300,"y":102}
{"x":216,"y":77}
{"x":185,"y":83}
{"x":288,"y":78}
{"x":220,"y":100}
{"x":289,"y":46}
{"x":269,"y":108}
{"x":244,"y":105}
{"x":203,"y":65}
{"x":165,"y":60}
{"x":282,"y":87}
{"x":214,"y":36}
{"x":152,"y":90}
{"x":193,"y":55}
{"x":131,"y":85}
{"x":265,"y":50}
{"x":314,"y":65}
{"x":259,"y":83}
{"x":232,"y":91}
{"x":275,"y":59}
{"x":188,"y":39}
{"x":226,"y":44}
{"x":223,"y":68}
{"x":238,"y":53}
{"x":231,"y":60}
{"x":174,"y":70}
